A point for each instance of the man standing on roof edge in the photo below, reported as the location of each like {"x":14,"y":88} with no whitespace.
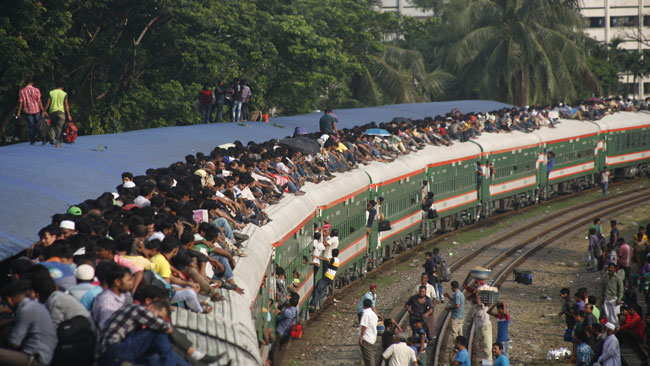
{"x":59,"y":107}
{"x":30,"y":100}
{"x":327,"y":123}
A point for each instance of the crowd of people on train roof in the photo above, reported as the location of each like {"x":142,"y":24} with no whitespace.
{"x":114,"y":264}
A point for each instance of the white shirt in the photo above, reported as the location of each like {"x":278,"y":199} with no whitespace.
{"x":369,"y":320}
{"x":431,"y":291}
{"x":481,"y":315}
{"x":318,"y":251}
{"x":604,"y":177}
{"x":247,"y":194}
{"x":611,"y":352}
{"x":260,"y":177}
{"x":142,"y":202}
{"x":399,"y":354}
{"x":333,"y":244}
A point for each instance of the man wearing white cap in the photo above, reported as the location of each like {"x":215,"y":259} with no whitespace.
{"x":611,"y":350}
{"x":85,"y":275}
{"x":67,"y":228}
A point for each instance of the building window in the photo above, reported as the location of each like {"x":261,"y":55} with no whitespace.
{"x":596,"y":22}
{"x":626,"y":21}
{"x":646,"y":20}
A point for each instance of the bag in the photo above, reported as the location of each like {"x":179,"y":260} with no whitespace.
{"x":443,"y":270}
{"x":384,"y":225}
{"x":568,"y":335}
{"x":151,"y":278}
{"x":44,"y":132}
{"x":432,"y":214}
{"x":76,"y":345}
{"x":70,"y":133}
{"x":21,"y":127}
{"x":296,"y":330}
{"x":524,"y":279}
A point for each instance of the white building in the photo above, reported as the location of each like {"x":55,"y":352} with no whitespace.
{"x":605,"y":20}
{"x":405,"y":7}
{"x":628,"y":20}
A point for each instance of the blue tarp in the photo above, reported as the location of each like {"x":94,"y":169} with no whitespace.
{"x":39,"y":181}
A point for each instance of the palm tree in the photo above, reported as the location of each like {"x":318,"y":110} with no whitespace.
{"x":398,"y":75}
{"x":518,"y":51}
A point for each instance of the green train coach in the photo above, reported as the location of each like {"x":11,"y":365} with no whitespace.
{"x":470,"y":180}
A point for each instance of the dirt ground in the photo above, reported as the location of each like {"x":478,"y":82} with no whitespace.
{"x":331,"y":338}
{"x":535,"y":326}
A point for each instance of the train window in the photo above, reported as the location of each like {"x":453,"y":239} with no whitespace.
{"x":628,"y":141}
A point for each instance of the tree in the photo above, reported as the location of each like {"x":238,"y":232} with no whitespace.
{"x":517,"y":51}
{"x":133,"y":64}
{"x":398,"y":75}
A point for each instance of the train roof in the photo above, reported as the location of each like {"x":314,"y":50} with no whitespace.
{"x":380,"y":172}
{"x":624,"y":120}
{"x":567,"y":129}
{"x":228,"y":329}
{"x":495,"y":142}
{"x":345,"y":184}
{"x":38,"y":181}
{"x":403,"y":166}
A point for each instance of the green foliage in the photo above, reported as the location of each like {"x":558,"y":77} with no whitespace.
{"x":605,"y":73}
{"x":516,"y":51}
{"x":133,"y":64}
{"x":139,"y":64}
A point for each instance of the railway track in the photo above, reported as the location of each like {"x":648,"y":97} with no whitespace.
{"x":525,"y":243}
{"x":634,"y":355}
{"x":418,"y":250}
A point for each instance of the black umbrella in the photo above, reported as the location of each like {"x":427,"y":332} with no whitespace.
{"x":301,"y":143}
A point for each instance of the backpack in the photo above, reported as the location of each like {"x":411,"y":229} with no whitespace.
{"x":69,"y":133}
{"x":296,"y":330}
{"x":44,"y":132}
{"x":443,"y":270}
{"x":76,"y":342}
{"x":152,"y":278}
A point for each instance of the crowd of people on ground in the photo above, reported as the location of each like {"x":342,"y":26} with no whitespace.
{"x":600,"y":320}
{"x":401,"y":348}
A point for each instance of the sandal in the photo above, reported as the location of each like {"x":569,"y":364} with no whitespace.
{"x":207,"y":309}
{"x":216,"y":297}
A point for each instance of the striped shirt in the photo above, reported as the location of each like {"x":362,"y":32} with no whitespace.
{"x":332,"y":267}
{"x":127,"y":320}
{"x":31,"y":98}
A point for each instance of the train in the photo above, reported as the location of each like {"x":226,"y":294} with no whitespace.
{"x":516,"y":174}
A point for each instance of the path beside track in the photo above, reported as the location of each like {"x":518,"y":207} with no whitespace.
{"x":331,"y":337}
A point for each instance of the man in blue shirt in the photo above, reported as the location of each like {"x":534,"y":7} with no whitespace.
{"x":287,"y":318}
{"x":460,"y":356}
{"x":499,"y":358}
{"x":372,"y":296}
{"x":457,"y":308}
{"x":33,"y":337}
{"x":503,"y":322}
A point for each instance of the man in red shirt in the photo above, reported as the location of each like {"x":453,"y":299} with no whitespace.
{"x":633,"y":328}
{"x":30,"y":100}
